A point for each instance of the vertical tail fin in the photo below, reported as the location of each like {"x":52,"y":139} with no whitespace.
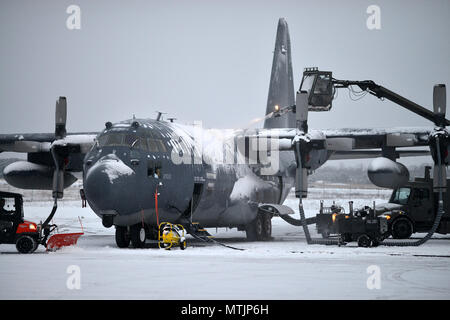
{"x":281,"y":88}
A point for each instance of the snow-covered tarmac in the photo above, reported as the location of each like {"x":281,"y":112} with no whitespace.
{"x":285,"y":268}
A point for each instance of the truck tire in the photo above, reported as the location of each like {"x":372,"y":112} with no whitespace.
{"x":364,"y":241}
{"x":26,"y":244}
{"x":346,"y":237}
{"x":122,"y":237}
{"x":401,"y":228}
{"x":137,"y":235}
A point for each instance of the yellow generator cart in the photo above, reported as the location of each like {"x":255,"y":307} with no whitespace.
{"x":170,"y":235}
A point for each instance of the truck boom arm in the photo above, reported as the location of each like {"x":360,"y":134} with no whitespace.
{"x":382,"y":92}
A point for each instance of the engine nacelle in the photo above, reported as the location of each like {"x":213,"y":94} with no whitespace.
{"x":386,"y":173}
{"x":28,"y":175}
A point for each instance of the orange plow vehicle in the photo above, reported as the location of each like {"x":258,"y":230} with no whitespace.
{"x":27,"y":235}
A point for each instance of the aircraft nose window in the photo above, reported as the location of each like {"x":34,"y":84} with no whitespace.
{"x":155,"y":145}
{"x":126,"y":140}
{"x":111,"y":139}
{"x":131,"y":140}
{"x":154,"y":170}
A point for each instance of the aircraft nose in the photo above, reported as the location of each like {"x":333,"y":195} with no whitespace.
{"x":107,"y":184}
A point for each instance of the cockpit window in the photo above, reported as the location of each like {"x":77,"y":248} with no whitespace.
{"x":127,"y":139}
{"x":131,"y":140}
{"x":155,"y":145}
{"x":401,"y":196}
{"x":116,"y":139}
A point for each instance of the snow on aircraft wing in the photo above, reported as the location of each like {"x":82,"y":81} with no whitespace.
{"x":38,"y":146}
{"x":364,"y":141}
{"x":42,"y":142}
{"x":354,"y":143}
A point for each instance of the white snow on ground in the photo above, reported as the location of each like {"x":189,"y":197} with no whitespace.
{"x":285,"y":268}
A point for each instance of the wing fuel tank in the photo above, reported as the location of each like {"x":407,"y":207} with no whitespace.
{"x":28,"y":175}
{"x":386,"y":173}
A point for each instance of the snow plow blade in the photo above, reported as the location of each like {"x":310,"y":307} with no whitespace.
{"x":57,"y":241}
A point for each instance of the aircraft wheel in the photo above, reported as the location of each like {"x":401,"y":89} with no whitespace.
{"x":122,"y":237}
{"x":26,"y":244}
{"x":137,"y":235}
{"x":183,"y":245}
{"x":402,"y":228}
{"x":364,"y":241}
{"x":254,"y":230}
{"x":266,"y":226}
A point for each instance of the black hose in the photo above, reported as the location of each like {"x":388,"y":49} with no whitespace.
{"x":50,"y":217}
{"x":296,"y":222}
{"x":310,"y":240}
{"x":192,"y":231}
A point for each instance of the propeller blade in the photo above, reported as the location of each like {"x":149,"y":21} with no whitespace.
{"x":58,"y":174}
{"x":58,"y":184}
{"x":301,"y":111}
{"x":300,"y":144}
{"x":301,"y":174}
{"x":439,"y":99}
{"x":60,"y":118}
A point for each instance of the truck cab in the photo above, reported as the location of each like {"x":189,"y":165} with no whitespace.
{"x":11,"y":215}
{"x":413,"y":206}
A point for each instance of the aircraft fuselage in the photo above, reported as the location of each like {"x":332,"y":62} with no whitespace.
{"x":136,"y":164}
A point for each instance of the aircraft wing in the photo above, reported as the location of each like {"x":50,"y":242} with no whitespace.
{"x":375,"y":142}
{"x":355,"y":143}
{"x":42,"y":142}
{"x":38,"y":146}
{"x":380,"y":137}
{"x":365,"y":154}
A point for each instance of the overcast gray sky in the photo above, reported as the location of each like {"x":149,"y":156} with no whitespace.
{"x":211,"y":60}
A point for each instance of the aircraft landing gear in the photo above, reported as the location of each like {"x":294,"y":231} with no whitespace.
{"x":107,"y":220}
{"x":260,"y":229}
{"x":137,"y":235}
{"x":122,"y":237}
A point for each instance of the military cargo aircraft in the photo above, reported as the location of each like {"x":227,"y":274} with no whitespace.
{"x":139,"y":172}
